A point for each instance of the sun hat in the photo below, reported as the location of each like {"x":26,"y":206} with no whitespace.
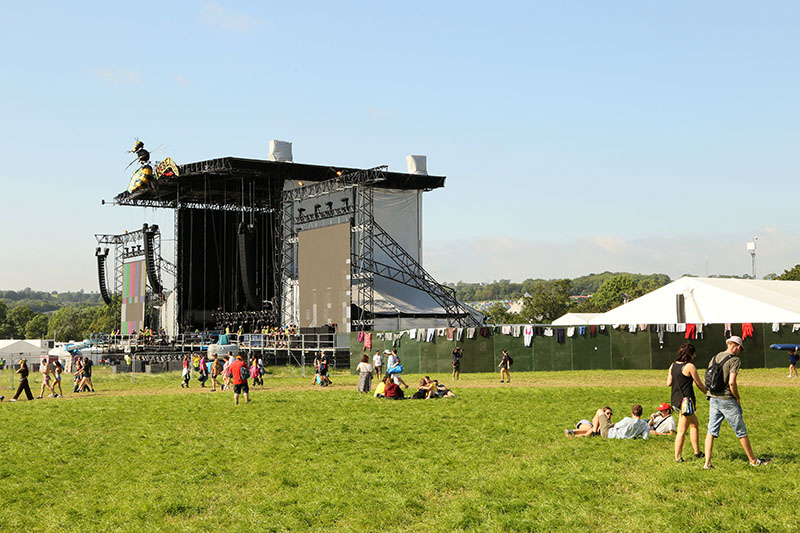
{"x":387,"y":351}
{"x":664,"y":407}
{"x":735,"y":340}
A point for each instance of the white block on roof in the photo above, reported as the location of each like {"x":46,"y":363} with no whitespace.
{"x":280,"y":151}
{"x":417,"y":164}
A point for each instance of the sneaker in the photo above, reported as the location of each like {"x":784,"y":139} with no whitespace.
{"x":679,"y":460}
{"x":2,"y":398}
{"x":38,"y":397}
{"x":569,"y":432}
{"x":761,"y":462}
{"x":12,"y":400}
{"x":708,"y":467}
{"x":699,"y":455}
{"x":52,"y":396}
{"x":501,"y":381}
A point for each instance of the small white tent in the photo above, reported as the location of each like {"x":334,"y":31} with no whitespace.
{"x":711,"y":301}
{"x":575,"y":319}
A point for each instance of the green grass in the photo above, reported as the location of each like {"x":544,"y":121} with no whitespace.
{"x":147,"y":455}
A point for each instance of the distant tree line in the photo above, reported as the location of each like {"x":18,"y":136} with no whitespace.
{"x":545,"y":300}
{"x":68,"y":322}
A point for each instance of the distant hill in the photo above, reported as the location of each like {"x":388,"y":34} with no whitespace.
{"x":506,"y":290}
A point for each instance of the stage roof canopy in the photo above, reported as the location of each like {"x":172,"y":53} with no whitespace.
{"x":712,"y":301}
{"x":250,"y":182}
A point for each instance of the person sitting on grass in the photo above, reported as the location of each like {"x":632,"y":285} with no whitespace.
{"x":425,"y":389}
{"x":630,"y":427}
{"x":661,"y":422}
{"x":441,"y":391}
{"x":381,"y":388}
{"x":598,"y":425}
{"x":393,"y":391}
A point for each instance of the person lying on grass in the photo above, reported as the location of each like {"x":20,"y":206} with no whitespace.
{"x":630,"y":427}
{"x":598,"y":425}
{"x":661,"y":422}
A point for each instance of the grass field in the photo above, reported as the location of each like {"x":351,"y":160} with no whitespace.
{"x":148,"y":455}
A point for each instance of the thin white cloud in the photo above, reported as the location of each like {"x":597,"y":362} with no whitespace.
{"x":183,"y":81}
{"x":379,"y":112}
{"x":218,"y":16}
{"x":118,"y":76}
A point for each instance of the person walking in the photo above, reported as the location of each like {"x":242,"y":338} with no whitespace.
{"x":457,"y":355}
{"x":86,"y":381}
{"x":394,"y":367}
{"x":792,"y":363}
{"x":216,"y":370}
{"x":23,"y":381}
{"x":364,"y":374}
{"x":203,"y":371}
{"x":58,"y":369}
{"x":45,"y":370}
{"x":682,"y":373}
{"x":240,"y":373}
{"x":186,"y":373}
{"x":377,"y":364}
{"x":726,"y":403}
{"x":505,"y":366}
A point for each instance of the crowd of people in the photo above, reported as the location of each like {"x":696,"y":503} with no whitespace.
{"x":51,"y":374}
{"x":391,"y":386}
{"x":721,"y":389}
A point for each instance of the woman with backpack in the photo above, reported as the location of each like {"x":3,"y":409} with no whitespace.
{"x":505,"y":366}
{"x":682,"y":373}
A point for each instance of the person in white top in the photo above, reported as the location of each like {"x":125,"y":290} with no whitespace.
{"x":47,"y":370}
{"x":377,"y":363}
{"x":630,"y":427}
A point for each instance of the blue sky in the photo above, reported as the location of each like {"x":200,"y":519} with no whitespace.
{"x":576,"y":137}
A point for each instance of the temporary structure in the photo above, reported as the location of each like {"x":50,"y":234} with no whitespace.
{"x":711,"y":301}
{"x":575,"y":319}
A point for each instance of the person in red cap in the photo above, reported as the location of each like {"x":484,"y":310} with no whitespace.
{"x":661,"y":422}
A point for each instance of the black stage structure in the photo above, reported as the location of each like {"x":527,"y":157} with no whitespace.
{"x":236,"y":224}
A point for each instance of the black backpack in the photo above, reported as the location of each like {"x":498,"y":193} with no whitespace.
{"x":715,"y":377}
{"x":244,"y":373}
{"x":510,"y":361}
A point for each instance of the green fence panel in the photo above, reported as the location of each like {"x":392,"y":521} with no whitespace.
{"x":784,"y":335}
{"x":427,"y":357}
{"x":408,"y":350}
{"x":562,"y":352}
{"x":629,"y":350}
{"x":752,"y":355}
{"x":543,"y":353}
{"x":483,"y":350}
{"x":444,"y":355}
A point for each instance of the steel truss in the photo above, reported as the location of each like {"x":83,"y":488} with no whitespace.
{"x":130,"y":245}
{"x":367,"y":234}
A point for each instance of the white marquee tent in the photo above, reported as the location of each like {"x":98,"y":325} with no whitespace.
{"x":575,"y":319}
{"x":712,"y":301}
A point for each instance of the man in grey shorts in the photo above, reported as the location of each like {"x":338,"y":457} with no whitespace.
{"x":599,"y":425}
{"x":727,"y":405}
